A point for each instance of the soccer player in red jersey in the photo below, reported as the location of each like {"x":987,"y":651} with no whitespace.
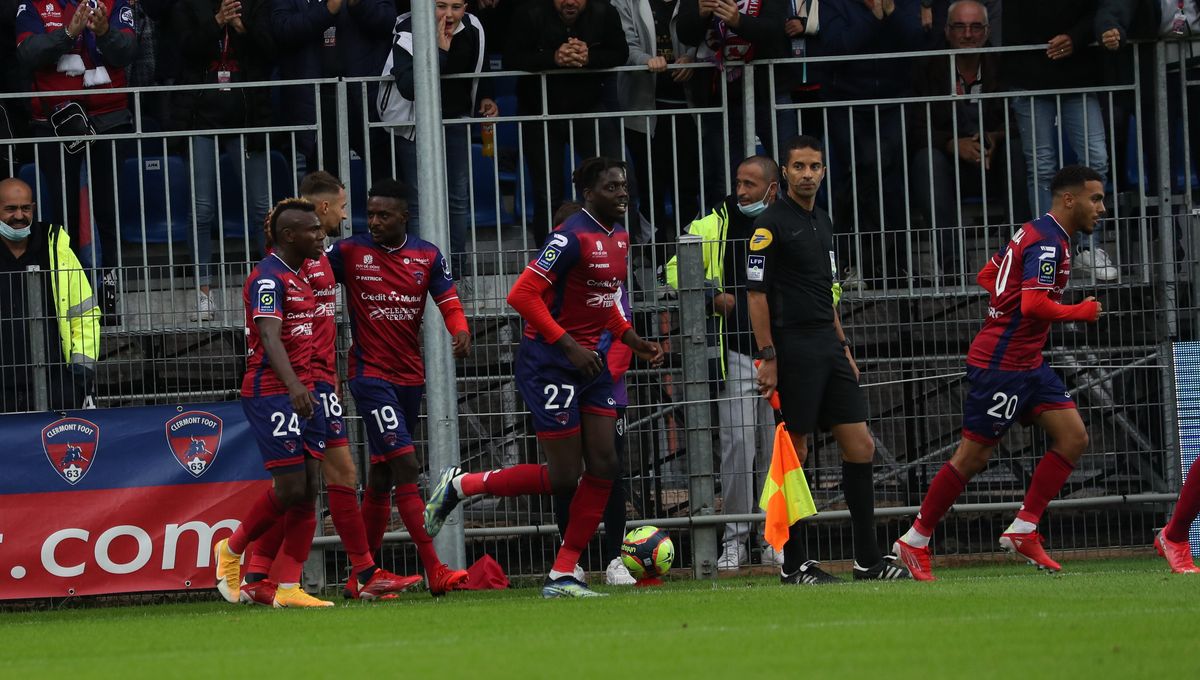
{"x":1172,"y":541}
{"x":367,"y":581}
{"x":387,"y":275}
{"x":1010,"y":380}
{"x":278,"y":398}
{"x":569,"y":297}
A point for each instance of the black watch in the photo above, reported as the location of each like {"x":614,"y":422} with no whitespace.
{"x":766,"y":353}
{"x":846,"y":343}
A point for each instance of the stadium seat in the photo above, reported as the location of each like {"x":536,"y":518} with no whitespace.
{"x":358,"y":196}
{"x":163,"y":199}
{"x":1133,"y":164}
{"x":282,"y":185}
{"x":485,"y":189}
{"x":36,"y":179}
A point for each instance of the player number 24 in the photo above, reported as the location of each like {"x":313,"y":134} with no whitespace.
{"x":285,"y":426}
{"x":552,"y":392}
{"x":1005,"y":406}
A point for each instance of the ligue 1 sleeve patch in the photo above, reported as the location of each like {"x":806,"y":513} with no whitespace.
{"x":761,"y":239}
{"x":756,"y":265}
{"x":266,"y":297}
{"x":1047,"y":269}
{"x":552,"y":252}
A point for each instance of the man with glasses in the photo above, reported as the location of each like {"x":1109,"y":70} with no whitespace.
{"x":962,"y":148}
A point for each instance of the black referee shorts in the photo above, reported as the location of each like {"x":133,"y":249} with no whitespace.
{"x":816,"y":384}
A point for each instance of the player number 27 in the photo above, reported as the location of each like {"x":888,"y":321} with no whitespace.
{"x":552,"y":393}
{"x":1005,"y":407}
{"x":285,"y":426}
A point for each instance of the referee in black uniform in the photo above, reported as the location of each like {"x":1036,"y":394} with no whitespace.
{"x":790,"y":269}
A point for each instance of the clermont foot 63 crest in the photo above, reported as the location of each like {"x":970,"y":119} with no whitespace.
{"x":195,"y":438}
{"x":71,"y":445}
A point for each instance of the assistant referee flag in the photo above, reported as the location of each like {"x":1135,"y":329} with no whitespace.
{"x":785,"y":497}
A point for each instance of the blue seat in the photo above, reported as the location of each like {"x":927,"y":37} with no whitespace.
{"x":506,"y":133}
{"x":1133,"y":165}
{"x":36,"y":179}
{"x":282,"y":185}
{"x":163,"y":199}
{"x":358,"y":196}
{"x":485,"y":188}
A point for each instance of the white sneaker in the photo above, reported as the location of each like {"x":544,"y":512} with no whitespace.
{"x":204,"y":307}
{"x":771,"y":557}
{"x":617,"y":574}
{"x":579,"y":574}
{"x":1096,"y":260}
{"x":733,"y":555}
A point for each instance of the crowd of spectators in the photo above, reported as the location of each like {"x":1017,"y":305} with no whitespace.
{"x":994,"y":144}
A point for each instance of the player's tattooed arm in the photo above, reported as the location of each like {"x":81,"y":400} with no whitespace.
{"x":298,"y":394}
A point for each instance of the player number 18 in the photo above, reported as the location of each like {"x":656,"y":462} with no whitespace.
{"x":332,"y":406}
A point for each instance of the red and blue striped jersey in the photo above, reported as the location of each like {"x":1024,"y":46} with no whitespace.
{"x":385,"y":298}
{"x":324,"y":285}
{"x":276,"y":291}
{"x":1037,"y":258}
{"x":586,"y":265}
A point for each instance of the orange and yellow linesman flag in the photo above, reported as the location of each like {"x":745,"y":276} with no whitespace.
{"x":785,"y":497}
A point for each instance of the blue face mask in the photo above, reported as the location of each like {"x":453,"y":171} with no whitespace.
{"x":13,"y":234}
{"x":755,"y":209}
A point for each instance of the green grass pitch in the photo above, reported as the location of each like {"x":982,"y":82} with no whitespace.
{"x":1125,"y":618}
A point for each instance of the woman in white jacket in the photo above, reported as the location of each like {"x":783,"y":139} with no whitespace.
{"x":665,"y":148}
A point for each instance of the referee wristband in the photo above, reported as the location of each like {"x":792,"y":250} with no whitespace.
{"x":846,"y":343}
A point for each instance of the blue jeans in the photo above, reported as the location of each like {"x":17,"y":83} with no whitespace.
{"x":1083,"y":126}
{"x":458,"y":188}
{"x":205,"y":185}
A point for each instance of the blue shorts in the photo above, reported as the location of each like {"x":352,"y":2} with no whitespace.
{"x":556,"y":393}
{"x":996,"y":399}
{"x":283,"y":437}
{"x":389,"y":414}
{"x":330,"y":404}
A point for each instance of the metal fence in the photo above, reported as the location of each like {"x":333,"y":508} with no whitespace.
{"x":908,"y":242}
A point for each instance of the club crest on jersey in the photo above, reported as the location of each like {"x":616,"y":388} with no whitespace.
{"x":195,"y":439}
{"x":335,"y":426}
{"x":71,"y":445}
{"x":562,"y":417}
{"x":127,"y":16}
{"x":419,"y":276}
{"x":760,"y":240}
{"x":755,"y":265}
{"x":1047,"y":269}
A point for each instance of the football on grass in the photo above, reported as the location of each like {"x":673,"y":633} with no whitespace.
{"x":647,"y":552}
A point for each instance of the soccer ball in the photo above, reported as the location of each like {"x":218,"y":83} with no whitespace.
{"x":647,"y":552}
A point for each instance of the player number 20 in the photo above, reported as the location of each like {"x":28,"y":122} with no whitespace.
{"x":552,"y":393}
{"x":1005,"y":406}
{"x":385,"y":418}
{"x":285,"y":426}
{"x":1002,"y":278}
{"x":332,"y":406}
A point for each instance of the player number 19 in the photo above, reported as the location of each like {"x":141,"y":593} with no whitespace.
{"x":1005,"y":407}
{"x":552,"y":392}
{"x":385,"y":418}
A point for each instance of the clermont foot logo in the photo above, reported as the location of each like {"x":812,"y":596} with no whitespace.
{"x":195,"y":439}
{"x":71,"y":445}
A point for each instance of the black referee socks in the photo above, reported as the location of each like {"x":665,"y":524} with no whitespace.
{"x":858,"y":486}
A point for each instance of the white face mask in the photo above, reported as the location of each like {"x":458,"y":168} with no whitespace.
{"x":13,"y":234}
{"x":755,"y":209}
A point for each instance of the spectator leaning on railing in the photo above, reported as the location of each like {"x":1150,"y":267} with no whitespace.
{"x":223,"y":41}
{"x":563,"y":34}
{"x":72,"y":342}
{"x":77,"y":46}
{"x":1066,"y":28}
{"x":968,"y":133}
{"x":461,"y":49}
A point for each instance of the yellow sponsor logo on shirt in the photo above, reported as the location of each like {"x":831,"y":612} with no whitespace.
{"x":760,"y":240}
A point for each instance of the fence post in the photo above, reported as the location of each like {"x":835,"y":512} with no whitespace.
{"x":34,"y":289}
{"x":693,"y":325}
{"x":749,"y":123}
{"x":441,"y":393}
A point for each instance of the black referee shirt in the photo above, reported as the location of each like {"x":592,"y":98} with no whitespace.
{"x":791,"y":259}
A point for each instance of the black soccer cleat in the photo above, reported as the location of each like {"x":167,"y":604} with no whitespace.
{"x":809,"y":574}
{"x":888,"y":569}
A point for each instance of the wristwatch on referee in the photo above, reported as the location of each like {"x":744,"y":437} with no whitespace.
{"x":766,"y":353}
{"x":846,"y":343}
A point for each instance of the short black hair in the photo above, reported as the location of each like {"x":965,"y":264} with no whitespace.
{"x":320,"y":183}
{"x":802,"y":142}
{"x":590,"y":170}
{"x":389,"y":188}
{"x":1073,"y":177}
{"x":565,"y":210}
{"x":301,"y":204}
{"x":767,"y":164}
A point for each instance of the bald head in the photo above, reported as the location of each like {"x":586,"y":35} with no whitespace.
{"x":16,"y":203}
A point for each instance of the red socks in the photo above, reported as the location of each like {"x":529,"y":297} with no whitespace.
{"x":1048,"y":479}
{"x":518,"y":480}
{"x":1187,"y":507}
{"x":262,"y":555}
{"x":348,"y":520}
{"x":586,"y":509}
{"x":300,"y":525}
{"x":412,"y":513}
{"x":262,"y":515}
{"x":376,"y":511}
{"x":946,"y":487}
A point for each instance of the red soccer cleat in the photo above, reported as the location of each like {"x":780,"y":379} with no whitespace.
{"x":1178,"y":554}
{"x":1030,"y":547}
{"x":260,"y":592}
{"x":383,"y":585}
{"x":915,"y":559}
{"x":444,"y":579}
